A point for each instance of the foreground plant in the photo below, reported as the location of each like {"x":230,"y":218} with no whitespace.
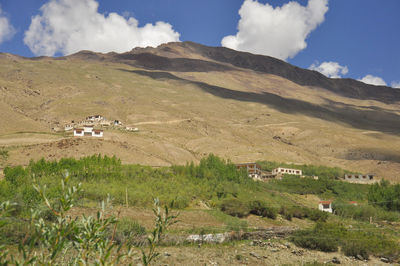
{"x":163,"y":221}
{"x":71,"y":241}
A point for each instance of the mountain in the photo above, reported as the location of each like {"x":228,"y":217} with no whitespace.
{"x":189,"y":100}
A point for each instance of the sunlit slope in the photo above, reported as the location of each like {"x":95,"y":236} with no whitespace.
{"x":185,"y":113}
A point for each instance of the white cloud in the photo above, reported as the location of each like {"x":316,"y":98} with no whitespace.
{"x":6,"y":29}
{"x":279,"y":32}
{"x":373,"y":80}
{"x":68,"y":26}
{"x":330,"y":69}
{"x":395,"y":84}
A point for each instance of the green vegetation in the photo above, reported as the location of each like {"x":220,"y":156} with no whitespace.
{"x":324,"y":187}
{"x":72,"y":241}
{"x":230,"y":193}
{"x":363,"y":241}
{"x":385,"y":196}
{"x":364,"y":212}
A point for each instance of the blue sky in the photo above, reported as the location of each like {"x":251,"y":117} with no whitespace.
{"x":339,"y":38}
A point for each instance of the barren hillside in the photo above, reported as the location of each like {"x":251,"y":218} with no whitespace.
{"x":189,"y":100}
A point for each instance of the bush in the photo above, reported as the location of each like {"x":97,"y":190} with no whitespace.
{"x":356,"y":248}
{"x":235,"y":207}
{"x":262,"y":209}
{"x":324,"y":236}
{"x":385,"y":195}
{"x":363,"y":212}
{"x":309,"y":239}
{"x":302,"y":213}
{"x":317,"y":215}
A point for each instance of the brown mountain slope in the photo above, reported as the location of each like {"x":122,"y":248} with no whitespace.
{"x":189,"y":100}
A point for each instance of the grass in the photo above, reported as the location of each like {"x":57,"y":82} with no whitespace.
{"x":230,"y":194}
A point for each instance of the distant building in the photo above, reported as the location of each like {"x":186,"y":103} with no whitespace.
{"x":361,"y":179}
{"x":253,"y":169}
{"x":132,"y":129}
{"x":97,"y":133}
{"x":78,"y":132}
{"x":267,"y":175}
{"x":88,"y":131}
{"x":286,"y":171}
{"x":68,"y":127}
{"x":117,"y":123}
{"x":325,"y":206}
{"x":95,"y":118}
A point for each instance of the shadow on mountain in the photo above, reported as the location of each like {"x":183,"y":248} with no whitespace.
{"x":156,"y":62}
{"x":377,"y":120}
{"x":169,"y":57}
{"x":305,"y":77}
{"x":372,"y":154}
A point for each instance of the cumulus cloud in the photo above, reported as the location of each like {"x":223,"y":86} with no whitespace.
{"x":279,"y":32}
{"x":395,"y":84}
{"x":330,"y":69}
{"x":373,"y":80}
{"x":68,"y":26}
{"x":6,"y":29}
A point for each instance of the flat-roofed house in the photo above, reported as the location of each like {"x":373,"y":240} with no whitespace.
{"x":88,"y":130}
{"x":361,"y":179}
{"x":286,"y":171}
{"x":78,"y":132}
{"x":253,"y":169}
{"x":325,"y":206}
{"x":97,"y":133}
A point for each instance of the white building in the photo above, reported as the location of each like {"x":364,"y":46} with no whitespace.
{"x":97,"y":133}
{"x":133,"y":129}
{"x":287,"y":171}
{"x":325,"y":206}
{"x":360,"y":179}
{"x":78,"y":132}
{"x":88,"y":131}
{"x":95,"y":118}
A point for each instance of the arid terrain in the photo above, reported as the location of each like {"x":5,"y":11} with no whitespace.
{"x":190,"y":100}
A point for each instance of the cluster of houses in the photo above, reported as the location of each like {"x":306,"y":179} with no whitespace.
{"x":90,"y":127}
{"x":88,"y":131}
{"x":254,"y":171}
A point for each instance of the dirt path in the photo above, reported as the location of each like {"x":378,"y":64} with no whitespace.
{"x":161,"y":122}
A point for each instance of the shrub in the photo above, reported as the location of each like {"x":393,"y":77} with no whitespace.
{"x":235,"y":207}
{"x":325,"y":237}
{"x":385,"y":195}
{"x":356,"y":248}
{"x":262,"y":209}
{"x":317,"y":215}
{"x":309,"y":239}
{"x":285,"y":213}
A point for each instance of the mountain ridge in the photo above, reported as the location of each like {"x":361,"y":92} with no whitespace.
{"x":344,"y":86}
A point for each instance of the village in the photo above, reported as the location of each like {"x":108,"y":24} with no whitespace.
{"x":93,"y":126}
{"x":256,"y":173}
